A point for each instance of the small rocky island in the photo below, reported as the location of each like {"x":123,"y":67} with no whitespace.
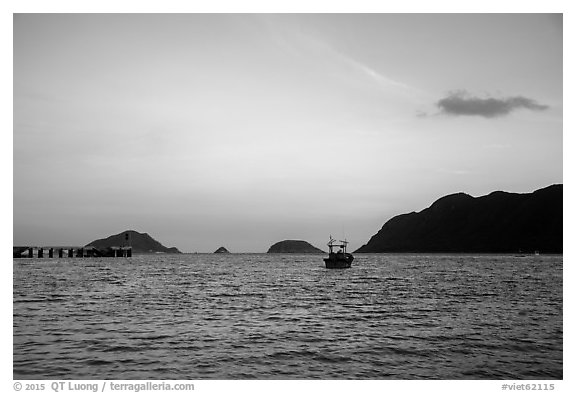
{"x":141,"y":243}
{"x":222,"y":250}
{"x":294,"y":247}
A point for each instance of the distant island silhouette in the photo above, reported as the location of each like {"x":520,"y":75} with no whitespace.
{"x":499,"y":222}
{"x":142,"y":243}
{"x":294,"y":247}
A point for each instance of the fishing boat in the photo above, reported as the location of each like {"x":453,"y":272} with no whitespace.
{"x":339,"y":259}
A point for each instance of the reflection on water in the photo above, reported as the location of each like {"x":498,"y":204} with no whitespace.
{"x":258,"y":316}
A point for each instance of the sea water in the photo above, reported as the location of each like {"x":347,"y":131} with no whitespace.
{"x":260,"y":316}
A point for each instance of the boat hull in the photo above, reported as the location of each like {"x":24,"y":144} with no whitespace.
{"x":338,"y":261}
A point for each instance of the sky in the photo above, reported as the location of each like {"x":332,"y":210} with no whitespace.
{"x":241,"y":130}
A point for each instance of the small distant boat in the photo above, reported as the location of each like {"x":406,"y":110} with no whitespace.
{"x":340,"y":259}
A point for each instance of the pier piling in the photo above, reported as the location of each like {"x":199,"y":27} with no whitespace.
{"x":71,"y":252}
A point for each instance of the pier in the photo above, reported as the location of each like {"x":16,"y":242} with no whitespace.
{"x":70,"y":252}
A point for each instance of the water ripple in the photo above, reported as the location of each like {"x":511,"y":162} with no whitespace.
{"x":286,"y":317}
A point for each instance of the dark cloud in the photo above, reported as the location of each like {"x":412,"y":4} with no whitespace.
{"x":462,"y":104}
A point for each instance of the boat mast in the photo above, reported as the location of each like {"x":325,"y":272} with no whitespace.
{"x":343,"y":245}
{"x":330,"y":245}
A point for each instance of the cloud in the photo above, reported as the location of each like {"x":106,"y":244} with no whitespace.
{"x":369,"y":72}
{"x":460,"y":103}
{"x":297,"y":42}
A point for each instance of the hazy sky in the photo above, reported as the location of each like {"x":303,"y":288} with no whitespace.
{"x":244,"y":130}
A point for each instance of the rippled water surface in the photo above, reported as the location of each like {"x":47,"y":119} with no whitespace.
{"x":258,"y":316}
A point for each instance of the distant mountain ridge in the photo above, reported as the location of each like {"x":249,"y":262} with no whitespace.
{"x":294,"y":247}
{"x":499,"y":222}
{"x":142,"y":243}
